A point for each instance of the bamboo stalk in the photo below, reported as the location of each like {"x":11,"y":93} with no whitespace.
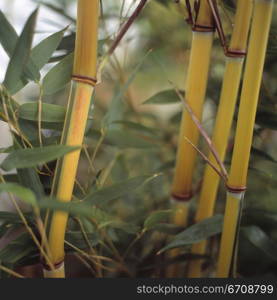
{"x":244,"y":133}
{"x":196,"y":85}
{"x":82,"y":87}
{"x":223,"y":123}
{"x":179,"y":217}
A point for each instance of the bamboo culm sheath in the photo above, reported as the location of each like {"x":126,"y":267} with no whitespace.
{"x":223,"y":123}
{"x":244,"y":133}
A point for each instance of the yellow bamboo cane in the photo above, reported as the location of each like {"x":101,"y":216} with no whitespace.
{"x":196,"y":85}
{"x":82,"y":87}
{"x":223,"y":123}
{"x":244,"y":133}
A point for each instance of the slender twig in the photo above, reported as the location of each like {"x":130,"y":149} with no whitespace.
{"x":203,"y":133}
{"x":126,"y":26}
{"x":11,"y":272}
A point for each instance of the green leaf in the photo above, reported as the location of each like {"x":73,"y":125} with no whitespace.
{"x":80,"y":209}
{"x":30,"y":179}
{"x":19,"y":191}
{"x":259,"y":239}
{"x":126,"y":227}
{"x":49,"y":113}
{"x":44,"y":50}
{"x":76,"y":238}
{"x":17,"y":249}
{"x":115,"y":111}
{"x":8,"y":39}
{"x":262,"y":154}
{"x":170,"y":229}
{"x":156,"y":218}
{"x":120,"y":189}
{"x":32,"y":157}
{"x":196,"y":233}
{"x":8,"y":35}
{"x":126,"y":139}
{"x":267,"y":118}
{"x":164,"y":97}
{"x":12,"y":218}
{"x":138,"y":127}
{"x":58,"y":76}
{"x":260,"y":217}
{"x":21,"y":55}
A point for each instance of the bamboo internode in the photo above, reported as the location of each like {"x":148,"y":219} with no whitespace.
{"x":197,"y":77}
{"x":244,"y":132}
{"x":196,"y":85}
{"x":82,"y":87}
{"x":223,"y":123}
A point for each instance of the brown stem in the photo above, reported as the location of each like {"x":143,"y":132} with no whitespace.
{"x":126,"y":26}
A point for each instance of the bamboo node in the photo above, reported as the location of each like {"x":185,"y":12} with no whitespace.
{"x":235,"y":53}
{"x":236,"y":190}
{"x":203,"y":28}
{"x":56,"y":266}
{"x":181,"y":197}
{"x":84,"y":79}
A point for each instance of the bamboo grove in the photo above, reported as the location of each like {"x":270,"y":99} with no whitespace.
{"x":96,"y":200}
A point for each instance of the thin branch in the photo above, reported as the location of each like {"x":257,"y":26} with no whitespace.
{"x":205,"y":158}
{"x":126,"y":26}
{"x":223,"y":172}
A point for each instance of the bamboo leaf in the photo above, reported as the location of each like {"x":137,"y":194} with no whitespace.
{"x":49,"y":113}
{"x":8,"y":35}
{"x":21,"y":55}
{"x":12,"y":218}
{"x":81,"y":209}
{"x":44,"y":50}
{"x":68,"y":43}
{"x":164,"y":97}
{"x":137,"y":127}
{"x":196,"y":233}
{"x":115,"y":111}
{"x":156,"y":218}
{"x":58,"y":76}
{"x":120,"y":189}
{"x":76,"y":238}
{"x":126,"y":139}
{"x":30,"y":179}
{"x":262,"y":154}
{"x":259,"y":239}
{"x":19,"y":191}
{"x":17,"y":249}
{"x":267,"y":118}
{"x":170,"y":229}
{"x":32,"y":157}
{"x":260,"y":217}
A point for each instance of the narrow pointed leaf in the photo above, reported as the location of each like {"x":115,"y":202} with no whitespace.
{"x":32,"y":157}
{"x":260,"y":240}
{"x":8,"y":35}
{"x":156,"y":218}
{"x":164,"y":97}
{"x":19,"y":191}
{"x":196,"y":233}
{"x":21,"y":55}
{"x":51,"y":113}
{"x":58,"y":76}
{"x":43,"y":51}
{"x":120,"y":189}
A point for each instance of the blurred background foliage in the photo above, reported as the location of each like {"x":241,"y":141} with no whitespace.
{"x":128,"y":155}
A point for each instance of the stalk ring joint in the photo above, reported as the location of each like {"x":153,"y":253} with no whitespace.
{"x":85,"y":79}
{"x":236,"y":190}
